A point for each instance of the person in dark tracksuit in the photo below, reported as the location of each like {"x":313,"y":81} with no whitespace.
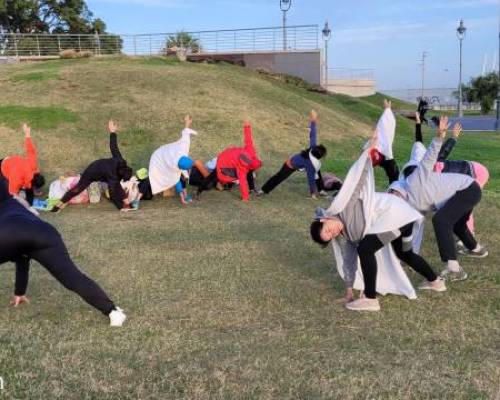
{"x":307,"y":159}
{"x":25,"y":237}
{"x":108,"y":170}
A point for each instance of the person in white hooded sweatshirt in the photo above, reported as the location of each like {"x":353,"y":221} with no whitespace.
{"x":368,"y":221}
{"x":451,"y":196}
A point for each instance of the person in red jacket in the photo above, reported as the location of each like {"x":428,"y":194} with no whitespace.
{"x":236,"y":164}
{"x":22,"y":172}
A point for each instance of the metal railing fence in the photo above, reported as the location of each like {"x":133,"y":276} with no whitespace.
{"x":351,"y":73}
{"x":303,"y":37}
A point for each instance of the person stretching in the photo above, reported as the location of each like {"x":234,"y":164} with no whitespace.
{"x":308,"y":159}
{"x":108,"y":170}
{"x":22,"y":172}
{"x":472,"y":168}
{"x":236,"y":164}
{"x":25,"y":237}
{"x":451,"y":196}
{"x":368,"y":221}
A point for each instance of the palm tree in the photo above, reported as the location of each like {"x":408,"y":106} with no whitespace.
{"x":184,"y":40}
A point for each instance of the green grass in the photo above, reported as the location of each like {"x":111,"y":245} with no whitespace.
{"x":228,"y":300}
{"x":35,"y":76}
{"x":397,"y":104}
{"x":38,"y":117}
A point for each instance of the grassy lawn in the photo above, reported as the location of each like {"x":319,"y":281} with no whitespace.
{"x":227,"y":300}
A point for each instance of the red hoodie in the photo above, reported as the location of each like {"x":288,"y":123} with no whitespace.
{"x":19,"y":170}
{"x":235,"y":163}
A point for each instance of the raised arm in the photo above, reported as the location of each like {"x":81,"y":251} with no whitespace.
{"x":313,"y":133}
{"x":29,"y":146}
{"x":248,"y":138}
{"x":450,"y":143}
{"x":418,"y":128}
{"x":431,"y":155}
{"x":113,"y":140}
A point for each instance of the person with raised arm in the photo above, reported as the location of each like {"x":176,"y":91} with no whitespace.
{"x":308,"y":160}
{"x":370,"y":226}
{"x":22,"y":172}
{"x":112,"y":171}
{"x":451,"y":197}
{"x":25,"y":237}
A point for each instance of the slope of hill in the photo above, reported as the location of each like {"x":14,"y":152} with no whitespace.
{"x":225,"y":299}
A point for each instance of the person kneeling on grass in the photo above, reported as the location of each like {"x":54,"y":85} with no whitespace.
{"x":170,"y":162}
{"x":236,"y":164}
{"x":112,"y":171}
{"x":22,"y":172}
{"x":452,"y":197}
{"x":308,"y":159}
{"x":24,"y":236}
{"x":369,"y":221}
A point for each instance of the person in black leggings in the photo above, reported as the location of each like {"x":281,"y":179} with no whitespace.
{"x":108,"y":170}
{"x":25,"y":237}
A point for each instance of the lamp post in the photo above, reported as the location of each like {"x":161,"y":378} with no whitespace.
{"x":285,"y":6}
{"x":422,"y":64}
{"x":461,"y":30}
{"x":327,"y":34}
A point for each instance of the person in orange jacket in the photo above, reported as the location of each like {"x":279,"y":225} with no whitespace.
{"x":22,"y":172}
{"x":236,"y":164}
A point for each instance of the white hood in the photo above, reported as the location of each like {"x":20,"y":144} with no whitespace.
{"x":417,"y":154}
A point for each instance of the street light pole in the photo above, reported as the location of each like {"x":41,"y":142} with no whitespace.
{"x":285,"y":7}
{"x":327,"y":34}
{"x":461,"y":30}
{"x":424,"y":56}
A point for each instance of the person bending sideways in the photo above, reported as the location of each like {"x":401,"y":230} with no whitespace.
{"x":108,"y":170}
{"x":368,"y":221}
{"x":236,"y":164}
{"x":451,"y":197}
{"x":25,"y":237}
{"x":169,"y":162}
{"x":308,"y":160}
{"x":22,"y":172}
{"x":472,"y":168}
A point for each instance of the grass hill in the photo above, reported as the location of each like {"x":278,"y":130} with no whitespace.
{"x":225,"y":299}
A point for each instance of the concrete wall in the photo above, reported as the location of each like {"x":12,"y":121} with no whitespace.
{"x":352,"y":87}
{"x":303,"y":64}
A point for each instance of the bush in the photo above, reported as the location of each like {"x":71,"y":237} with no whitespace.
{"x":72,"y":53}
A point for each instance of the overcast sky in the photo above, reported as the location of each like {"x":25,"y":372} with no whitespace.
{"x":386,"y":35}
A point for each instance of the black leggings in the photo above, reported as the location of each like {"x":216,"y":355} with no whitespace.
{"x":24,"y":239}
{"x":452,"y":218}
{"x":278,"y":178}
{"x":211,"y":181}
{"x":402,"y":247}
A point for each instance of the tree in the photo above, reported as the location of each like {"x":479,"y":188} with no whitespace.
{"x":483,"y":90}
{"x":184,"y":40}
{"x":48,"y":16}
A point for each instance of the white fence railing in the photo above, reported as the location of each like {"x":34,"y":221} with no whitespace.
{"x":351,"y":74}
{"x":295,"y":38}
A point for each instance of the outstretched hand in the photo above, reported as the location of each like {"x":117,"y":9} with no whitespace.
{"x":457,"y":130}
{"x":18,"y":300}
{"x":26,"y":130}
{"x":188,"y":121}
{"x":443,"y":127}
{"x":417,"y":118}
{"x":387,"y":104}
{"x":112,"y":126}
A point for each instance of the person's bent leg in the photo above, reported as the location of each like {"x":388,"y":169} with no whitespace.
{"x":278,"y":178}
{"x":366,"y":251}
{"x":82,"y":184}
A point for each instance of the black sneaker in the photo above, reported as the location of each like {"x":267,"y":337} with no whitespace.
{"x":482,"y":252}
{"x":55,"y":210}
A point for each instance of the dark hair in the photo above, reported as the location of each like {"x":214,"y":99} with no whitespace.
{"x":316,"y":227}
{"x":318,"y":151}
{"x":38,"y":181}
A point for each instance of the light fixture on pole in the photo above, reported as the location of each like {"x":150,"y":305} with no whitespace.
{"x":461,"y":30}
{"x":422,"y":64}
{"x":285,"y":6}
{"x":327,"y":34}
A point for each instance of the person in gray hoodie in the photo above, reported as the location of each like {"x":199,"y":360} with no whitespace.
{"x":451,"y":197}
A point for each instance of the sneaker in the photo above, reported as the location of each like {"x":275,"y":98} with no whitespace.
{"x":117,"y":317}
{"x":364,"y":304}
{"x":94,"y":193}
{"x":453,"y":276}
{"x":461,"y":249}
{"x":480,"y":253}
{"x":323,"y":193}
{"x":55,"y":210}
{"x":259,"y":192}
{"x":438,"y":285}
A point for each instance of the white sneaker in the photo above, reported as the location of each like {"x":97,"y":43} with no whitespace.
{"x":453,"y":276}
{"x":94,"y":193}
{"x":438,"y":285}
{"x":117,"y":317}
{"x":364,"y":304}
